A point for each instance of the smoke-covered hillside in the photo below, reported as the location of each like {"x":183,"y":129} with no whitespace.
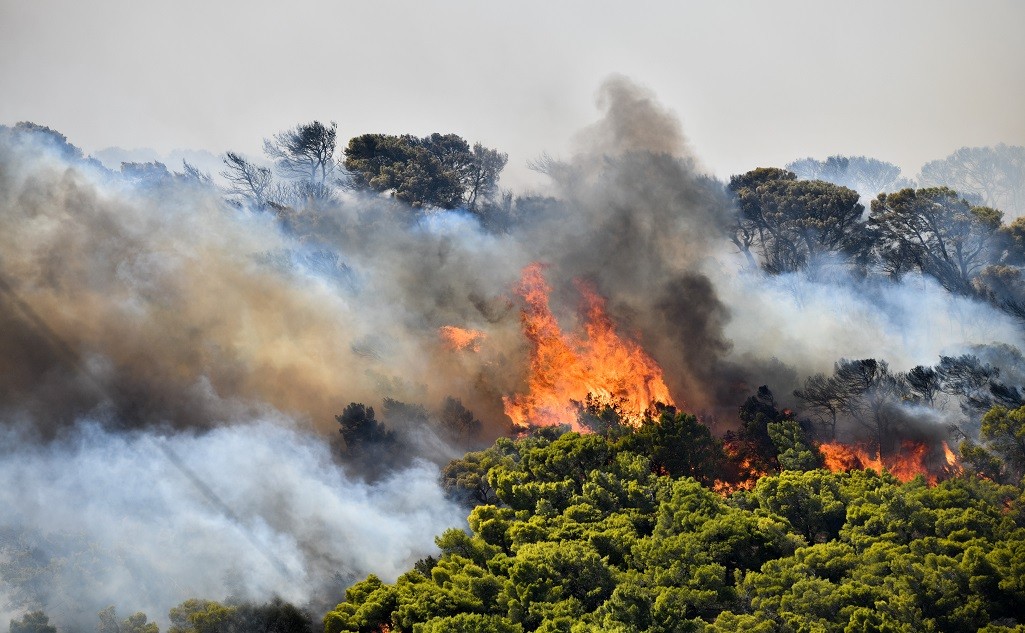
{"x":247,"y":383}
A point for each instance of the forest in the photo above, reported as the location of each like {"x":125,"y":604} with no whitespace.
{"x":365,"y":388}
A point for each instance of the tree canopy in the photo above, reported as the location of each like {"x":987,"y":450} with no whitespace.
{"x":868,"y":176}
{"x":795,"y":224}
{"x":440,"y":170}
{"x":591,"y":532}
{"x":306,"y":151}
{"x":994,"y":175}
{"x":936,"y":232}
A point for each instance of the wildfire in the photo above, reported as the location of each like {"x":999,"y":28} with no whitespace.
{"x":565,"y":368}
{"x":910,"y":461}
{"x":457,"y":338}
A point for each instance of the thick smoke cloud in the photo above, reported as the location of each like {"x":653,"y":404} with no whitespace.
{"x":169,"y":307}
{"x":809,"y":323}
{"x":139,"y":316}
{"x":144,"y":521}
{"x":157,"y":304}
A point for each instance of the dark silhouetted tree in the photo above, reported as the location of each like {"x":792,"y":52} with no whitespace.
{"x":936,"y":232}
{"x":863,"y":391}
{"x":976,"y":384}
{"x":191,"y":173}
{"x":795,"y":224}
{"x":360,"y":428}
{"x":306,"y":152}
{"x":678,"y":445}
{"x":33,"y":622}
{"x":247,"y":181}
{"x":923,"y":384}
{"x":482,"y":174}
{"x":135,"y":623}
{"x":459,"y":421}
{"x":752,"y":445}
{"x":440,"y":170}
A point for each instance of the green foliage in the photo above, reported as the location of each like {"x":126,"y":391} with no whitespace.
{"x":135,"y":623}
{"x":679,"y":446}
{"x":199,"y":616}
{"x":796,"y":224}
{"x":1003,"y":432}
{"x":936,"y":232}
{"x":609,"y":533}
{"x":468,"y":623}
{"x":466,"y":478}
{"x":769,"y":440}
{"x":794,"y":450}
{"x":208,"y":616}
{"x":812,"y":502}
{"x":601,"y":416}
{"x":33,"y":622}
{"x":440,"y":170}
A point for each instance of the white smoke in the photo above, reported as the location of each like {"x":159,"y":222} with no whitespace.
{"x":144,"y":521}
{"x":161,"y":310}
{"x":810,"y":323}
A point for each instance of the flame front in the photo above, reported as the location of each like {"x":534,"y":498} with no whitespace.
{"x":565,"y":368}
{"x":910,"y":461}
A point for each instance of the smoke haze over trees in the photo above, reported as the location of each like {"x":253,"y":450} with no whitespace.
{"x":256,"y":371}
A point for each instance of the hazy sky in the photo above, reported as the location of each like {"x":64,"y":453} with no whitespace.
{"x":755,"y":83}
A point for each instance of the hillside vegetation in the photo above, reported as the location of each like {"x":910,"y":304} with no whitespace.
{"x":599,"y":532}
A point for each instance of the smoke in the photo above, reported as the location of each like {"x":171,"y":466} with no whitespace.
{"x":156,"y":304}
{"x":208,"y":345}
{"x":145,"y":521}
{"x":161,"y":353}
{"x":639,"y":220}
{"x":809,"y":323}
{"x":186,"y":312}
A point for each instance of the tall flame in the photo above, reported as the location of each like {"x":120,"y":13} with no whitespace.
{"x":565,"y":368}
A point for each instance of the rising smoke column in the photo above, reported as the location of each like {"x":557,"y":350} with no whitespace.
{"x":639,"y":221}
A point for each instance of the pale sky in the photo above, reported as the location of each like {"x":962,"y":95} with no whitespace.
{"x":754,"y":83}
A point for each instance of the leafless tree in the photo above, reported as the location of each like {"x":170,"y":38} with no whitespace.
{"x":306,"y":151}
{"x":246,"y":180}
{"x":995,"y":174}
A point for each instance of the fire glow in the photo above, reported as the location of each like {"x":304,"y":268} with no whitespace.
{"x":910,"y":461}
{"x":565,"y":367}
{"x":456,"y":338}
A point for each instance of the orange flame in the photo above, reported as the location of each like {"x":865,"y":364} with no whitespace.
{"x":949,"y":455}
{"x":747,"y":471}
{"x":565,"y":368}
{"x":457,"y":338}
{"x":910,"y":461}
{"x":953,"y":463}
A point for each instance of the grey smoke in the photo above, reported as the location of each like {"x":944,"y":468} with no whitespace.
{"x":166,"y":317}
{"x":100,"y":518}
